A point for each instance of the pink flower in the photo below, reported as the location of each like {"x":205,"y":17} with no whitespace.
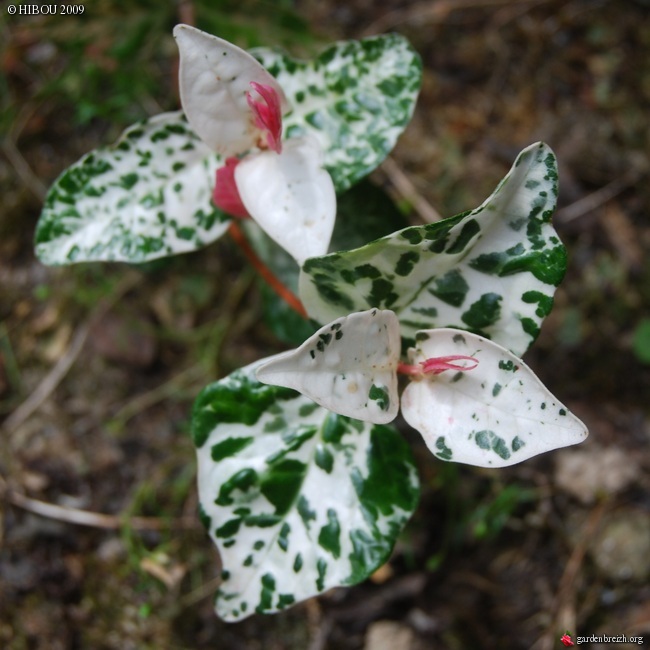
{"x":436,"y":365}
{"x":566,"y":640}
{"x":268,"y":116}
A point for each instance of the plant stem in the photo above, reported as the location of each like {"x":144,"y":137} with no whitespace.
{"x":269,"y":277}
{"x":408,"y":369}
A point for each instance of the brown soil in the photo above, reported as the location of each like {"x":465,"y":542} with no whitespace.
{"x":492,"y":559}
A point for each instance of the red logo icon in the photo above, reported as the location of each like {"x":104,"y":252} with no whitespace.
{"x":566,"y":640}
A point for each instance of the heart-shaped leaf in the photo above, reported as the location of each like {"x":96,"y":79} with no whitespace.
{"x":297,"y":499}
{"x":290,"y":196}
{"x":349,"y":366}
{"x":492,"y":271}
{"x":145,"y":197}
{"x":495,"y":415}
{"x":356,"y":98}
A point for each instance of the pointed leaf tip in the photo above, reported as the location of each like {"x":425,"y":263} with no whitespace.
{"x":348,"y":366}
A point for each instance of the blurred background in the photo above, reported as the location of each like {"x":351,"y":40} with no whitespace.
{"x":100,"y":546}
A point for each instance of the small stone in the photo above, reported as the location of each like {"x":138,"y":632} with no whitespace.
{"x":111,"y":550}
{"x":621,"y":548}
{"x":389,"y":635}
{"x":595,"y":471}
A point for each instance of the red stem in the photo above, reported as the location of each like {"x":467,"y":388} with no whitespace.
{"x":408,"y":369}
{"x":269,"y":277}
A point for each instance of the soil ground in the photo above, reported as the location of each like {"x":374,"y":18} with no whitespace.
{"x":99,"y":364}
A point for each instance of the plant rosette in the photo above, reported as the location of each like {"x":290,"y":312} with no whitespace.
{"x":286,"y":448}
{"x":268,"y":136}
{"x":304,"y":483}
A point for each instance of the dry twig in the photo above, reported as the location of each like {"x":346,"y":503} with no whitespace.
{"x":30,"y":180}
{"x":598,"y":198}
{"x":564,"y":614}
{"x":50,"y":381}
{"x":96,"y":519}
{"x":407,"y":191}
{"x":622,"y":235}
{"x":149,"y":398}
{"x":186,"y":13}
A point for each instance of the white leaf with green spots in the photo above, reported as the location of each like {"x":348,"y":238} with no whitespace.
{"x":297,"y":499}
{"x":356,"y":98}
{"x":495,"y":415}
{"x":492,"y":271}
{"x":214,"y":79}
{"x":147,"y":196}
{"x":348,"y":366}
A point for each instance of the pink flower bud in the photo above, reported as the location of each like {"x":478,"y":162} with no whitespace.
{"x":566,"y":640}
{"x":267,"y":114}
{"x":436,"y":365}
{"x":226,"y":195}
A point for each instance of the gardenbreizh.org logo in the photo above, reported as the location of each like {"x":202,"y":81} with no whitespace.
{"x":568,"y":642}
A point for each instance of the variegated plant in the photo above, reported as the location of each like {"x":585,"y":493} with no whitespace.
{"x":472,"y":400}
{"x":303,"y":482}
{"x":463,"y":299}
{"x":492,"y":270}
{"x":297,"y":498}
{"x":150,"y":195}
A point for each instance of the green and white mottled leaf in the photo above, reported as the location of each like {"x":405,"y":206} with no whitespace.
{"x":492,"y":271}
{"x":145,"y":197}
{"x":356,"y":98}
{"x":297,"y":499}
{"x":348,"y":366}
{"x":495,"y":415}
{"x":214,"y":79}
{"x":149,"y":195}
